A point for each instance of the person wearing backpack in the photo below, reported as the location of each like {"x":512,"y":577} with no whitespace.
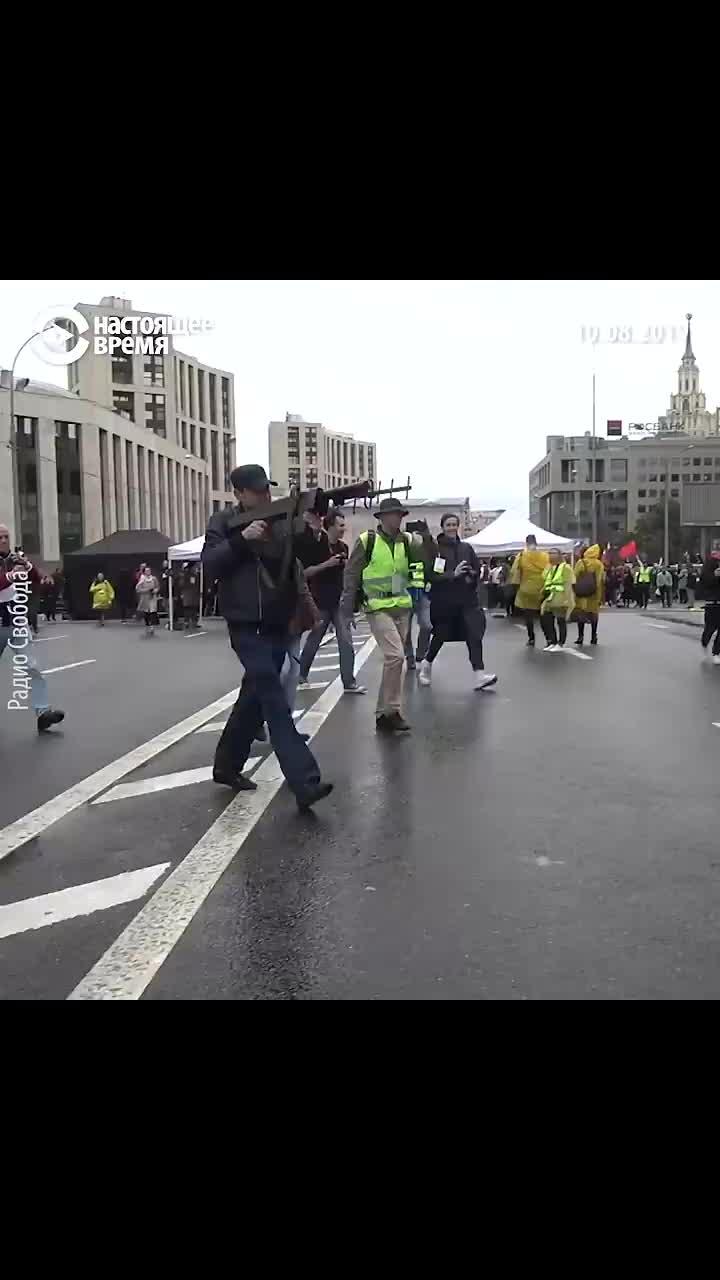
{"x":377,"y":580}
{"x":589,"y":587}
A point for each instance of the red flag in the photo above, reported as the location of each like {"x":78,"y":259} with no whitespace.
{"x":628,"y":551}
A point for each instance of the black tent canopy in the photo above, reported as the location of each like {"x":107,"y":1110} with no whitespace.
{"x":117,"y":555}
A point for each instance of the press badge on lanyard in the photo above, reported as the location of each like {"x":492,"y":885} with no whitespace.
{"x":439,"y":566}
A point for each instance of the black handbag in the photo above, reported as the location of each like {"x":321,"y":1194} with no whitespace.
{"x":585,"y":585}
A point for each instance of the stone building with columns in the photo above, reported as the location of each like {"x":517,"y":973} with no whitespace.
{"x":135,"y":442}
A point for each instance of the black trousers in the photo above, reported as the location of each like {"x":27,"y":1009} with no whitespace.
{"x":547,"y":622}
{"x":712,"y":627}
{"x":593,"y":618}
{"x":529,"y":616}
{"x":474,"y":623}
{"x":643,"y":594}
{"x":666,"y":597}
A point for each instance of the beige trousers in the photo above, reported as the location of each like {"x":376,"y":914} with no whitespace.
{"x":390,"y":628}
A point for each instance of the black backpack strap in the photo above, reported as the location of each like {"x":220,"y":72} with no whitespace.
{"x":369,"y":546}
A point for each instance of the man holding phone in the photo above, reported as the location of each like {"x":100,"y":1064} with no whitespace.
{"x":456,"y":611}
{"x":323,"y":555}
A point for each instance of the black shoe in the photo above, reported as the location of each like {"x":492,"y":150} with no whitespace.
{"x":48,"y":718}
{"x":382,"y":724}
{"x":261,"y":735}
{"x":594,"y":640}
{"x":238,"y":782}
{"x":530,"y":644}
{"x":312,"y":795}
{"x":305,"y":737}
{"x":411,"y":665}
{"x":580,"y":643}
{"x":396,"y":723}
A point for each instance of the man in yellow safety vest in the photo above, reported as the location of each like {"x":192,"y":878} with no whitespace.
{"x":377,"y":579}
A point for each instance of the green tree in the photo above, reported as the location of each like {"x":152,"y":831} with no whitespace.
{"x":649,"y":533}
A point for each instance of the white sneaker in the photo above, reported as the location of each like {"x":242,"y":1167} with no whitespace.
{"x":483,"y":680}
{"x":551,"y":648}
{"x":303,"y":684}
{"x":425,"y":673}
{"x":716,"y":659}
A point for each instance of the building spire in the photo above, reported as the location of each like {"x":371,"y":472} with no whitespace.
{"x":688,"y":345}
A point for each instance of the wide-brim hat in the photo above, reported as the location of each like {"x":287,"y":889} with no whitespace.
{"x":389,"y":505}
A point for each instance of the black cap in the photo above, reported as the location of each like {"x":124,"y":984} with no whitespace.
{"x":250,"y":477}
{"x":387,"y":505}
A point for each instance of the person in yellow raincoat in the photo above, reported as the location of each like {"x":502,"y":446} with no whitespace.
{"x":588,"y":565}
{"x":558,"y":602}
{"x":528,"y":576}
{"x":103,"y":594}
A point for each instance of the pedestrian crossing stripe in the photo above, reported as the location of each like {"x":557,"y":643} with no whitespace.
{"x":80,"y":900}
{"x":164,"y":782}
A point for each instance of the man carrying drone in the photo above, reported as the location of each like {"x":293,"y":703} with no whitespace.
{"x":254,"y":561}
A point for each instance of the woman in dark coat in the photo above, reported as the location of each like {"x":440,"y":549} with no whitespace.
{"x":455,"y":609}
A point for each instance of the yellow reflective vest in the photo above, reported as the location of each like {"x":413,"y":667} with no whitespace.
{"x":386,"y":563}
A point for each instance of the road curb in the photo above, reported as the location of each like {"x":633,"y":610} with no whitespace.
{"x":683,"y":622}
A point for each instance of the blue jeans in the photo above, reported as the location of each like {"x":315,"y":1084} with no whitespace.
{"x":421,"y":611}
{"x":290,"y":673}
{"x":262,"y":699}
{"x":39,"y":690}
{"x":345,"y":646}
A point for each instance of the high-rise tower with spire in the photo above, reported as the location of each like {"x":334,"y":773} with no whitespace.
{"x":688,"y":412}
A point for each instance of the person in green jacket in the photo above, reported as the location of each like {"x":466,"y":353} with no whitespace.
{"x":558,"y":602}
{"x":103,"y":594}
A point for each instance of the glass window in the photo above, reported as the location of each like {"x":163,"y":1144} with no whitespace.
{"x":653,"y":493}
{"x":203,"y":443}
{"x":674,"y":493}
{"x":641,"y":508}
{"x":181,"y":375}
{"x":707,"y":462}
{"x":618,"y":469}
{"x":228,"y":454}
{"x":653,"y":477}
{"x":212,"y":409}
{"x":214,"y":460}
{"x":122,"y":368}
{"x":696,"y":462}
{"x":155,"y":414}
{"x":201,"y":395}
{"x":124,"y":404}
{"x":642,"y":493}
{"x":25,"y":437}
{"x":599,"y":470}
{"x":154,"y":371}
{"x":193,"y":439}
{"x":184,"y":435}
{"x":191,"y":391}
{"x":707,"y":476}
{"x":675,"y":477}
{"x":686,"y":462}
{"x":226,"y":404}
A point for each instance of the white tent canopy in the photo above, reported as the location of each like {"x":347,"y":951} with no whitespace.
{"x":509,"y":532}
{"x":191,"y":550}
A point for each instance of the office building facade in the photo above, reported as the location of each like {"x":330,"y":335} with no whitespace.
{"x":135,"y":442}
{"x":308,"y":454}
{"x":625,"y":479}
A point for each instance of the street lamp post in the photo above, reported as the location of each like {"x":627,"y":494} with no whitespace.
{"x":12,"y":444}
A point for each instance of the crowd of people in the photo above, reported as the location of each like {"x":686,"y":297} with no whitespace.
{"x":637,"y":584}
{"x":142,"y":595}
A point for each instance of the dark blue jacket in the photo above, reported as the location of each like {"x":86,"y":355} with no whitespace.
{"x":251,"y":585}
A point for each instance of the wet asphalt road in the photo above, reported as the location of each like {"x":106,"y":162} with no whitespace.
{"x":556,"y":838}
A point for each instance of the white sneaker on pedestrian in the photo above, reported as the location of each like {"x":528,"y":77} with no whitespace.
{"x":483,"y":680}
{"x":551,"y":648}
{"x":355,"y":688}
{"x":716,"y":659}
{"x":425,"y":673}
{"x":303,"y":684}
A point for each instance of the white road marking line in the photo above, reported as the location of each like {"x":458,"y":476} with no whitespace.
{"x":135,"y":957}
{"x":322,"y":684}
{"x":38,"y":820}
{"x":659,"y":626}
{"x":335,"y":666}
{"x":44,"y":639}
{"x":575,"y":653}
{"x":298,"y":714}
{"x":163,"y":782}
{"x":215,"y":727}
{"x":85,"y":662}
{"x":716,"y":724}
{"x":195,"y":635}
{"x":81,"y":900}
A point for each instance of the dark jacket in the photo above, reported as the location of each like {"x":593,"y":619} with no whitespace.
{"x":709,"y":582}
{"x":450,"y":594}
{"x":251,"y":585}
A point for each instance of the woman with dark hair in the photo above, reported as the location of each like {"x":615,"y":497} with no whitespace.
{"x":455,"y":609}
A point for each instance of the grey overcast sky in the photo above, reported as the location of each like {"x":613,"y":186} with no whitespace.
{"x":458,"y":382}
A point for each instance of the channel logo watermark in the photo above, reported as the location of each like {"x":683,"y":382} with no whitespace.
{"x":60,"y":333}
